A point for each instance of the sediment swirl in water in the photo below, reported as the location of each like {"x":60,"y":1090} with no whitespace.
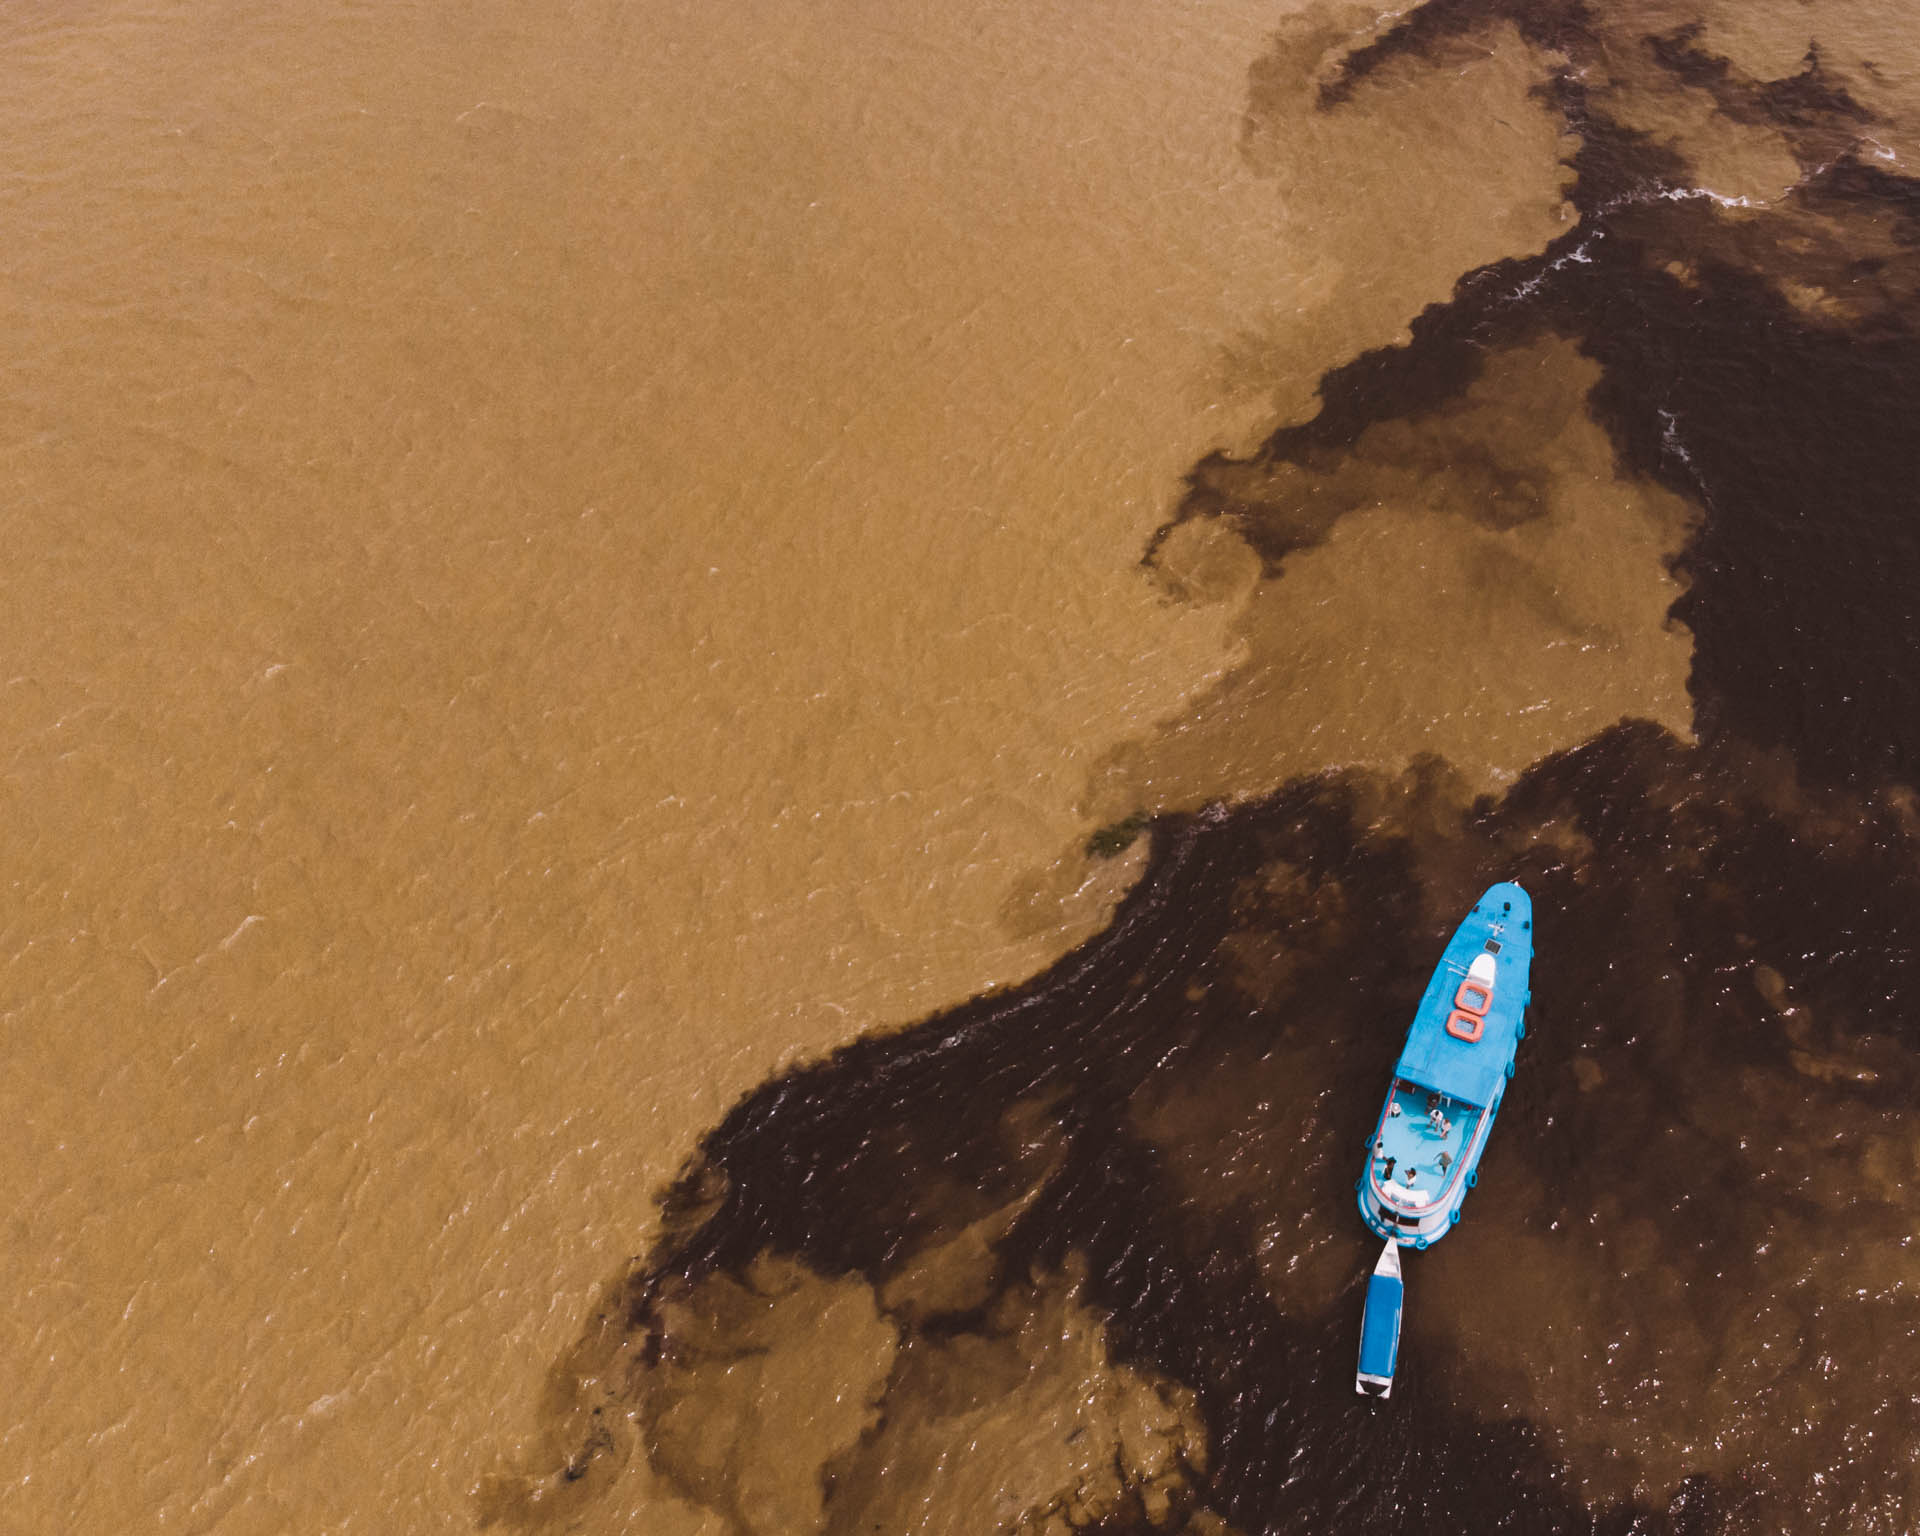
{"x":1099,"y":1228}
{"x":1681,"y":1287}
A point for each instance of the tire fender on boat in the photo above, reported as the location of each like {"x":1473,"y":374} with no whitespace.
{"x":1473,"y":1177}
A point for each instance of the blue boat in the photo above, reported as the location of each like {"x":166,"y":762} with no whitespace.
{"x":1380,"y":1326}
{"x":1424,"y":1154}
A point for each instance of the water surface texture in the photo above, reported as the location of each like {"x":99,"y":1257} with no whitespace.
{"x":734,"y":737}
{"x":1602,"y":578}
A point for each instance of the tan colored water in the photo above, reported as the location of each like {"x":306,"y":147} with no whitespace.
{"x":561,"y":559}
{"x":558,"y":562}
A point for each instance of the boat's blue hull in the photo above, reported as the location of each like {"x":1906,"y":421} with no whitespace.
{"x":1424,"y":1153}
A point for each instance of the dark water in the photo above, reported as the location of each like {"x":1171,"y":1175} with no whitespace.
{"x":1682,"y":1299}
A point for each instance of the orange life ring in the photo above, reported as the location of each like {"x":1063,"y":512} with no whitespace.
{"x":1466,"y":1026}
{"x":1469,"y":989}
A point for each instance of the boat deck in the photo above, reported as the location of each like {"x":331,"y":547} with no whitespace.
{"x":1428,"y":1145}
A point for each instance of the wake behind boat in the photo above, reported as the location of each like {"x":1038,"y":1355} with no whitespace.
{"x":1424,"y":1154}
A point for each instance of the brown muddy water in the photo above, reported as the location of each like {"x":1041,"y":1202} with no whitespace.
{"x":734,"y":737}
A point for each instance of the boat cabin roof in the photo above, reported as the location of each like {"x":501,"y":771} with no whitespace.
{"x":1492,"y":949}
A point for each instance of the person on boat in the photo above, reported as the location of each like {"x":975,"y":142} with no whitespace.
{"x":1446,"y":1162}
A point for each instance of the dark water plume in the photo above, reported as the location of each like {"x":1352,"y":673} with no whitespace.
{"x":1172,"y":1118}
{"x":1760,"y":363}
{"x":1116,"y":1202}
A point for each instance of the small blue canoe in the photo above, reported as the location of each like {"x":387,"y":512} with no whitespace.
{"x":1380,"y":1326}
{"x":1424,"y":1153}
